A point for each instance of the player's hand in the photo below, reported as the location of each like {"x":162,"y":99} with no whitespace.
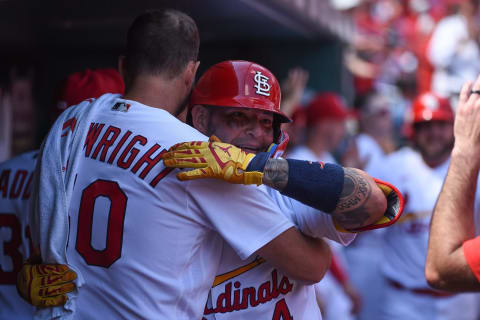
{"x":395,"y":204}
{"x":467,"y":119}
{"x":212,"y":159}
{"x":45,"y":285}
{"x":292,"y":89}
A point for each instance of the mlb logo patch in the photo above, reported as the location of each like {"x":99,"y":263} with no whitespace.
{"x":121,"y":106}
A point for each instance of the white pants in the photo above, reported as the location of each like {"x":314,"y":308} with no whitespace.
{"x":363,"y":263}
{"x":335,"y":303}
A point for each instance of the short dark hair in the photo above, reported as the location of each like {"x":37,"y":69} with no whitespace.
{"x":161,"y":42}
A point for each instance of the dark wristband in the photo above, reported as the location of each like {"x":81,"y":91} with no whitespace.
{"x":258,"y":162}
{"x":314,"y":184}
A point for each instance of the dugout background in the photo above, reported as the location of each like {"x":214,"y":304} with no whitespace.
{"x":43,"y":41}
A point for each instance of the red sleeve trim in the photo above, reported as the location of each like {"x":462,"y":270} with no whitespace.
{"x":337,"y":270}
{"x":471,"y":250}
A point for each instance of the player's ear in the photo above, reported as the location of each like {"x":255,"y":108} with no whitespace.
{"x":200,"y":118}
{"x":190,"y":72}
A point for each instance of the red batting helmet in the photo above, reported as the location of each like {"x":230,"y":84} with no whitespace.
{"x":239,"y":84}
{"x":429,"y":107}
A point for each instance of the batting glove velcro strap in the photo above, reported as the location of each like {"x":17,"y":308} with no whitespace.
{"x":258,"y":162}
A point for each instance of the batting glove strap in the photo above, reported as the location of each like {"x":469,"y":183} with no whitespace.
{"x":258,"y":162}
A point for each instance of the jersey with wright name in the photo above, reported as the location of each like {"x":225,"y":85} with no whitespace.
{"x":254,"y":289}
{"x":146,"y":244}
{"x":15,"y":191}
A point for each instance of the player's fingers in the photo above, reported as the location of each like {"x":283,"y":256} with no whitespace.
{"x":186,"y":163}
{"x":53,"y":301}
{"x":178,"y":154}
{"x":51,"y":291}
{"x":46,"y":269}
{"x":476,"y":84}
{"x":464,"y":93}
{"x":475,"y":88}
{"x":192,"y":175}
{"x":188,"y":145}
{"x":58,"y":279}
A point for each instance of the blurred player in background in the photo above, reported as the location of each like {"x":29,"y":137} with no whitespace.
{"x":16,"y":187}
{"x":373,"y":143}
{"x":419,"y":175}
{"x":326,"y":117}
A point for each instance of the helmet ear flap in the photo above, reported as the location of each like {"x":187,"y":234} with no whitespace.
{"x":277,"y":149}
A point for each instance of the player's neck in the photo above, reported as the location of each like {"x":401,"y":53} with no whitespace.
{"x":156,"y":92}
{"x":437,"y":161}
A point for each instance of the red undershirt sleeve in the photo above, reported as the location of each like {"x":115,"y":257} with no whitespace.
{"x":471,"y":250}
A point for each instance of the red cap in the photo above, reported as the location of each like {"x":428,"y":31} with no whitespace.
{"x":299,"y":117}
{"x":239,"y":83}
{"x":326,"y":105}
{"x":87,"y":84}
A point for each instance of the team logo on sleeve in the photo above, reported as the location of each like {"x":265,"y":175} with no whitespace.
{"x":121,"y":106}
{"x":261,"y":85}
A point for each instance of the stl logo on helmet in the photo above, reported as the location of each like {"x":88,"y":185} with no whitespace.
{"x":262,"y":85}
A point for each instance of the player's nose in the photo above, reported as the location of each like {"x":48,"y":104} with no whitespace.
{"x":254,"y":129}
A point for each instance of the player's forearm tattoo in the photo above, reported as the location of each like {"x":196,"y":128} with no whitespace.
{"x":275,"y":174}
{"x":350,"y":211}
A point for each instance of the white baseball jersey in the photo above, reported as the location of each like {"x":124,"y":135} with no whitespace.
{"x":405,"y":243}
{"x":369,"y":150}
{"x":254,"y":289}
{"x":336,"y":304}
{"x":15,"y":190}
{"x":364,"y":256}
{"x":302,"y":152}
{"x":147,"y":245}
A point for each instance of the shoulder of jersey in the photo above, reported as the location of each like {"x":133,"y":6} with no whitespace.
{"x":26,"y":157}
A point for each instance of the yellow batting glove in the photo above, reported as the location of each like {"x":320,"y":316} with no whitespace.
{"x":45,"y":285}
{"x":212,"y":160}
